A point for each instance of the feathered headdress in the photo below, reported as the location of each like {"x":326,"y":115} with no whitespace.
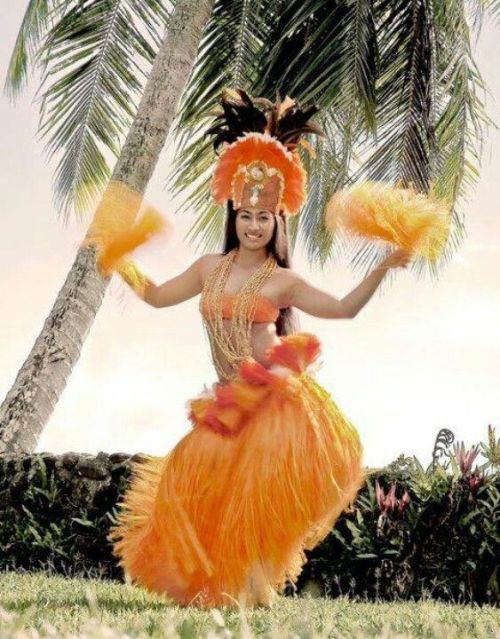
{"x":259,"y":164}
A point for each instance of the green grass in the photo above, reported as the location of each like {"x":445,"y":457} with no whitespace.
{"x":35,"y":605}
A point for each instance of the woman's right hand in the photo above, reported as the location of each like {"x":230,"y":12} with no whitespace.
{"x":398,"y":258}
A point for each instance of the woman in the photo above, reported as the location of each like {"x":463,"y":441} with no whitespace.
{"x":271,"y":462}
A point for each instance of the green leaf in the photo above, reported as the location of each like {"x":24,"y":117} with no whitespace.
{"x":36,"y":21}
{"x":35,"y":534}
{"x":84,"y":522}
{"x":95,"y":57}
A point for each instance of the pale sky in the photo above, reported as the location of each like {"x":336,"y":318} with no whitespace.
{"x":420,"y":356}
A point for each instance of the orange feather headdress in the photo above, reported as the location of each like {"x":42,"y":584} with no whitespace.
{"x":257,"y":170}
{"x":259,"y":164}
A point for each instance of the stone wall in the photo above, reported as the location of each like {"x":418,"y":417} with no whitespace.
{"x":56,"y":510}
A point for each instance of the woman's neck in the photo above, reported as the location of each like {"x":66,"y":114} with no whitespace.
{"x":249,"y":259}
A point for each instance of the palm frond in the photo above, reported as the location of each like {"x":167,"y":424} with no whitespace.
{"x":38,"y":17}
{"x":478,"y":9}
{"x":405,"y":94}
{"x":405,"y":144}
{"x":461,"y":120}
{"x":97,"y":57}
{"x":494,"y":10}
{"x":328,"y":171}
{"x":226,"y":58}
{"x":431,"y":119}
{"x":324,"y":53}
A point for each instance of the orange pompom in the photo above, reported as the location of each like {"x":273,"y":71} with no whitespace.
{"x":117,"y":229}
{"x":415,"y":222}
{"x":127,"y":240}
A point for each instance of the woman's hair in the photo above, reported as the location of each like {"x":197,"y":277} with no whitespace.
{"x":278,"y":246}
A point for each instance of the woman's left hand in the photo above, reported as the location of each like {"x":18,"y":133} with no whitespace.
{"x":399,"y":258}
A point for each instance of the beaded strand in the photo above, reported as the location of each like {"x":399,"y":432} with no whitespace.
{"x":234,"y":343}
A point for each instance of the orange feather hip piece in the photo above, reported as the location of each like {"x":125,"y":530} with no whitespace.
{"x":268,"y":467}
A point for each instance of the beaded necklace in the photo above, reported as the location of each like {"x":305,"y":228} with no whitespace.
{"x":235,"y":342}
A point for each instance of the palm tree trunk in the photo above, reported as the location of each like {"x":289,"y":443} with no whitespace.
{"x":43,"y":376}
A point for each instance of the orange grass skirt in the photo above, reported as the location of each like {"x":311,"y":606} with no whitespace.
{"x":225,"y":517}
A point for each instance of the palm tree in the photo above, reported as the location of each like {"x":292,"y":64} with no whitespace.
{"x":44,"y":374}
{"x":395,"y":79}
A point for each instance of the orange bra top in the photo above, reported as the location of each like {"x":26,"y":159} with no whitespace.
{"x":265,"y":310}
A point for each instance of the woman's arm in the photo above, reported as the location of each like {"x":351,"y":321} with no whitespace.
{"x":359,"y":296}
{"x":176,"y":290}
{"x":312,"y":300}
{"x":318,"y":303}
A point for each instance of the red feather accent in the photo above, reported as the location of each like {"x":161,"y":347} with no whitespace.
{"x":255,"y":373}
{"x":295,"y":351}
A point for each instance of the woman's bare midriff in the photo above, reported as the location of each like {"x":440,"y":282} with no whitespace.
{"x":262,"y":336}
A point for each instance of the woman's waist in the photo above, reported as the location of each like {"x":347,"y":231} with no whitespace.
{"x":263,"y":338}
{"x":280,"y":355}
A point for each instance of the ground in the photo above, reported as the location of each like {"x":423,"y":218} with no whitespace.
{"x":34,"y":605}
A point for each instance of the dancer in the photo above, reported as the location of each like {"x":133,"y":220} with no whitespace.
{"x":271,"y":461}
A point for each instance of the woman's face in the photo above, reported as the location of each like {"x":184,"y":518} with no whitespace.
{"x":254,"y":227}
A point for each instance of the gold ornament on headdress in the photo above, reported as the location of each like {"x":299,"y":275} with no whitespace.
{"x":258,"y":184}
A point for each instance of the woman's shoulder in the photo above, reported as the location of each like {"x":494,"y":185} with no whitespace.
{"x":286,"y":278}
{"x":208,"y":262}
{"x":211,"y":258}
{"x":287,"y":275}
